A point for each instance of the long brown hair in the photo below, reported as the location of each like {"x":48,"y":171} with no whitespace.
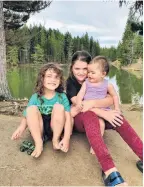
{"x":39,"y":88}
{"x":83,"y":56}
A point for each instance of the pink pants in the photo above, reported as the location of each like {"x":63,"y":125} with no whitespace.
{"x":88,"y":122}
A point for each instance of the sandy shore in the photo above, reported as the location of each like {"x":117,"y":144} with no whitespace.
{"x":54,"y":168}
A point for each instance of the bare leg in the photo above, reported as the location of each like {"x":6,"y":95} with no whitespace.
{"x":72,"y":124}
{"x":35,"y":125}
{"x":74,"y":111}
{"x":19,"y":131}
{"x":102,"y":129}
{"x":57,"y":124}
{"x":64,"y":143}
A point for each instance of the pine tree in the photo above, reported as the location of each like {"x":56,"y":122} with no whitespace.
{"x":91,"y":45}
{"x":38,"y":56}
{"x":16,"y":13}
{"x":68,"y":46}
{"x":95,"y":50}
{"x":53,"y":50}
{"x":136,"y":7}
{"x":12,"y":55}
{"x":86,"y":44}
{"x":127,"y":43}
{"x":43,"y":40}
{"x":138,"y":46}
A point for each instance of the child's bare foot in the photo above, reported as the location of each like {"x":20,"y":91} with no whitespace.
{"x":92,"y":151}
{"x":64,"y":145}
{"x":18,"y":133}
{"x":38,"y":149}
{"x":56,"y":144}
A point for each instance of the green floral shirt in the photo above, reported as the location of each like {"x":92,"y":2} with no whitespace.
{"x":46,"y":105}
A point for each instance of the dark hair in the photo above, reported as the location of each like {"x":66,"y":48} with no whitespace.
{"x":39,"y":88}
{"x":82,"y":56}
{"x":103,"y":62}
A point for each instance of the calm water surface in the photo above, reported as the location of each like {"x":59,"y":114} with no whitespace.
{"x":22,"y":79}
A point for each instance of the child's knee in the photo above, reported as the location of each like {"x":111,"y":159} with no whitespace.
{"x":31,"y":108}
{"x":58,"y":108}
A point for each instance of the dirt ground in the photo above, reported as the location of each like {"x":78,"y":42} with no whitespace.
{"x":76,"y":168}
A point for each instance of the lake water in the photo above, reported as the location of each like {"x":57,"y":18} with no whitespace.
{"x":22,"y":79}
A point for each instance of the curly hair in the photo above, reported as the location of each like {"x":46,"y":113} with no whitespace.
{"x":39,"y":88}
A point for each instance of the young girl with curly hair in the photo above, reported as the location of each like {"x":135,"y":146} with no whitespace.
{"x":47,"y":114}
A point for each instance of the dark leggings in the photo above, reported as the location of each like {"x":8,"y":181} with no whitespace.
{"x":89,"y":122}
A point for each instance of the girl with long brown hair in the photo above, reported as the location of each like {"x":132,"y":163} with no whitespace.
{"x":87,"y":121}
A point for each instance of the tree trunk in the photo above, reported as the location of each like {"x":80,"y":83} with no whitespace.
{"x":4,"y":89}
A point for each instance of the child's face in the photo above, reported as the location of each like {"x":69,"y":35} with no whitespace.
{"x":95,"y":73}
{"x":51,"y":80}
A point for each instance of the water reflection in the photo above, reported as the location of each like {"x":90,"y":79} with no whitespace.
{"x":22,"y":81}
{"x":128,"y":85}
{"x":113,"y":81}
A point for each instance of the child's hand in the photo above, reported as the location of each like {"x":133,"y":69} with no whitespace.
{"x":118,"y":110}
{"x":74,"y":111}
{"x":18,"y":132}
{"x":113,"y":117}
{"x":86,"y":105}
{"x":79,"y":106}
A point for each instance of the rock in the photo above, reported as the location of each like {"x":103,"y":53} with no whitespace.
{"x":135,"y":107}
{"x":13,"y":107}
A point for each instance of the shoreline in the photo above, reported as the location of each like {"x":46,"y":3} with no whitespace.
{"x":16,"y":107}
{"x":133,"y":69}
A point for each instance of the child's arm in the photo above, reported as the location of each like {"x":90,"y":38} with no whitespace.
{"x":23,"y":124}
{"x":112,"y":92}
{"x":74,"y":100}
{"x":97,"y":103}
{"x":21,"y":128}
{"x":80,"y":96}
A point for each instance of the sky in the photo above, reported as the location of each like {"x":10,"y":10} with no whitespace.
{"x":104,"y":20}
